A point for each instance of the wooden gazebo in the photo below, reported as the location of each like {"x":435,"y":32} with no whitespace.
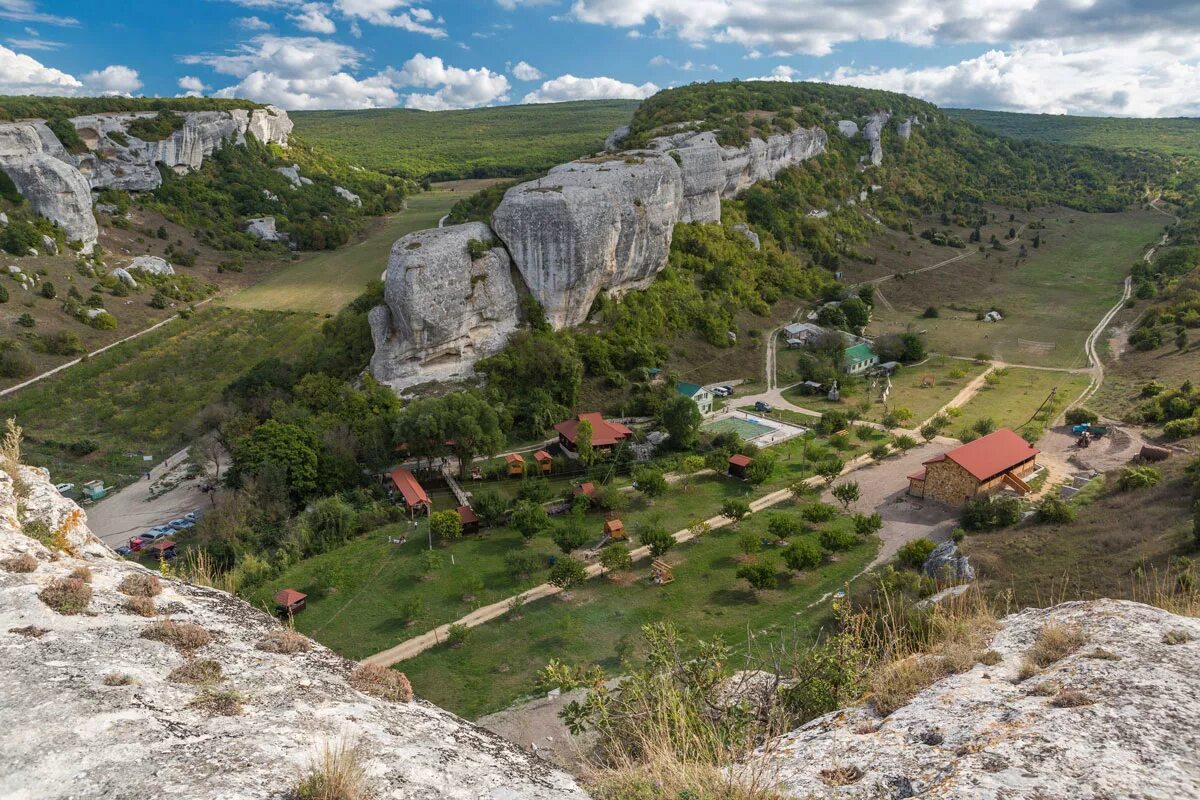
{"x":290,"y":602}
{"x":738,"y":464}
{"x":469,"y":519}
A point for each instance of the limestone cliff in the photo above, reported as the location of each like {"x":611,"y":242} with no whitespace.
{"x":444,"y":309}
{"x":91,"y":707}
{"x":56,"y":190}
{"x":1119,"y":717}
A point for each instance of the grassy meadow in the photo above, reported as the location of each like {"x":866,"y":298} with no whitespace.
{"x":1016,"y":394}
{"x":480,"y":142}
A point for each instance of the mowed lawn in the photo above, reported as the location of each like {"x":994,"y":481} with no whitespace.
{"x":601,"y":622}
{"x":1050,"y":302}
{"x":323,"y":283}
{"x":139,"y":398}
{"x":1018,"y":393}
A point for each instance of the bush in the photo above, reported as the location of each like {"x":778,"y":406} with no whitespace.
{"x":567,"y":572}
{"x":987,"y":513}
{"x":62,"y":343}
{"x":865,"y":524}
{"x":1138,"y":478}
{"x":142,"y":606}
{"x":457,"y":635}
{"x":26,"y":320}
{"x":67,"y":595}
{"x":183,"y":636}
{"x":48,"y":291}
{"x":446,"y":525}
{"x":103,"y":321}
{"x":749,"y":543}
{"x":760,"y":576}
{"x":1052,"y":509}
{"x":615,"y":558}
{"x":736,"y":508}
{"x":1080,"y":416}
{"x":285,"y":641}
{"x":802,"y":555}
{"x":200,"y":672}
{"x":520,"y":564}
{"x":914,"y":553}
{"x":783,"y":526}
{"x":819,"y":512}
{"x":650,"y":481}
{"x":15,"y":363}
{"x":834,"y":539}
{"x":19,"y":237}
{"x":657,"y":539}
{"x":140,"y":584}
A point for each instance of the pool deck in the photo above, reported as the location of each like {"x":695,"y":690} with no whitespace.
{"x":776,"y":432}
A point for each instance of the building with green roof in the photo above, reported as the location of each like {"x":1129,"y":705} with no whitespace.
{"x":858,"y":358}
{"x":698,"y":394}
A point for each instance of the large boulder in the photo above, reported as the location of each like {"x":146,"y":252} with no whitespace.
{"x":945,"y":563}
{"x":347,"y":195}
{"x":601,"y":225}
{"x":444,"y":309}
{"x":264,"y":228}
{"x":90,"y":707}
{"x":54,"y":189}
{"x":1133,"y":729}
{"x":150,"y":265}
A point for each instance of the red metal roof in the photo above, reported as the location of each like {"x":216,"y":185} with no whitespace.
{"x":919,"y":475}
{"x":466,"y":516}
{"x":162,"y":545}
{"x":604,"y":433}
{"x":990,"y":455}
{"x":587,"y":489}
{"x":287,"y":597}
{"x":514,"y":458}
{"x":406,"y":484}
{"x":542,"y":455}
{"x":739,"y":460}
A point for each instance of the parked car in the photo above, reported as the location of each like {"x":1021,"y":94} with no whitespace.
{"x":765,"y":408}
{"x":727,"y":389}
{"x":192,"y":516}
{"x":720,"y":391}
{"x":124,"y":551}
{"x":157,"y":533}
{"x":181,"y":524}
{"x":63,"y":488}
{"x":137,"y":543}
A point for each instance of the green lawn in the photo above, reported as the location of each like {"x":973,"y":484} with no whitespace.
{"x":601,"y":622}
{"x":139,"y":397}
{"x":507,"y":140}
{"x":1018,"y":394}
{"x":323,"y":283}
{"x":1050,"y":302}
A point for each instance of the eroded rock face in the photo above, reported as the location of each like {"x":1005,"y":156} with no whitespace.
{"x":264,"y":228}
{"x":873,"y":133}
{"x":979,"y":735}
{"x":64,"y":733}
{"x":591,"y":226}
{"x":53,"y":188}
{"x":444,"y":310}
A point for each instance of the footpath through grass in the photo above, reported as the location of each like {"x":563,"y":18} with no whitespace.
{"x":323,"y":283}
{"x":140,"y":397}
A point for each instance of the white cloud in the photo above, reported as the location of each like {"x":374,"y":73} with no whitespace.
{"x":313,"y":17}
{"x":287,"y":56}
{"x":26,"y":11}
{"x":22,"y":74}
{"x":384,"y":13}
{"x":192,"y":86}
{"x":569,"y":87}
{"x":1138,"y":78}
{"x":34,"y":43}
{"x":686,"y":66}
{"x":339,"y":90}
{"x":513,"y":4}
{"x":780,"y":73}
{"x":524,"y":71}
{"x":114,"y":79}
{"x":456,"y":87}
{"x":252,"y":24}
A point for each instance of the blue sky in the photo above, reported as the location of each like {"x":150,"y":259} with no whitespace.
{"x":1121,"y":57}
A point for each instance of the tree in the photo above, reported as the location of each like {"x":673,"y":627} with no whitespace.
{"x":650,"y":481}
{"x":914,"y":553}
{"x":490,"y":506}
{"x":615,"y":558}
{"x":567,"y":572}
{"x":570,"y":534}
{"x":749,"y":543}
{"x":446,"y":525}
{"x":736,"y":508}
{"x":529,"y":519}
{"x":522,"y":563}
{"x":846,"y":494}
{"x":784,"y":526}
{"x":656,"y":538}
{"x":761,"y":468}
{"x":611,"y":498}
{"x":331,"y":522}
{"x":760,"y":576}
{"x":830,"y":469}
{"x":867,"y":523}
{"x":583,"y":443}
{"x":802,"y":555}
{"x":280,"y":446}
{"x":681,"y":418}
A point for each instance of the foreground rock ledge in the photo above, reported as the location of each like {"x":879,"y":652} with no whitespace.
{"x":980,"y":736}
{"x":64,"y":733}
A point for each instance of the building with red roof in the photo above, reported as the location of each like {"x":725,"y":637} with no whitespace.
{"x":544,"y":460}
{"x":468,"y":518}
{"x":605,"y":435}
{"x":412,"y":494}
{"x":738,"y":464}
{"x":1001,"y":459}
{"x":516,"y":463}
{"x":289,"y":602}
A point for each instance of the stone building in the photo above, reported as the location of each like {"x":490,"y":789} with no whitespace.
{"x":985,"y":466}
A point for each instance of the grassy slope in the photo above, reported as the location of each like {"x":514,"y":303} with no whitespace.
{"x":325,"y":282}
{"x":1175,"y":135}
{"x":508,"y":140}
{"x":139,"y":397}
{"x":1018,"y":394}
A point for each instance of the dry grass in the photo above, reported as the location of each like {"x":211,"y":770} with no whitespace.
{"x":894,"y":685}
{"x":140,"y":584}
{"x":67,"y":595}
{"x":388,"y":684}
{"x":83,"y":573}
{"x":1177,"y":636}
{"x":663,"y":775}
{"x":118,"y":679}
{"x":1071,"y":698}
{"x":10,"y":457}
{"x":989,"y":658}
{"x":335,"y":772}
{"x":1044,"y":689}
{"x":1055,"y":642}
{"x":1028,"y":670}
{"x":184,"y":636}
{"x":1102,"y":654}
{"x":31,"y":631}
{"x":220,"y":702}
{"x":841,"y":775}
{"x":142,"y":606}
{"x":21,"y":563}
{"x":286,"y":641}
{"x":200,"y":672}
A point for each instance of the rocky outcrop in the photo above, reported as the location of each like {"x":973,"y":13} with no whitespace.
{"x":444,"y":309}
{"x":92,"y":707}
{"x":614,"y":139}
{"x":945,"y":563}
{"x":264,"y":228}
{"x":748,"y":232}
{"x":124,"y":277}
{"x":53,"y":188}
{"x":848,"y":128}
{"x":269,"y":125}
{"x":293,"y":175}
{"x":591,"y":226}
{"x":873,"y":133}
{"x":150,"y":265}
{"x":905,"y":127}
{"x":1119,"y":717}
{"x":347,"y":195}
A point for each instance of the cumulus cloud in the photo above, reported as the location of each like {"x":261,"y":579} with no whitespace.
{"x":1138,"y":78}
{"x":569,"y":87}
{"x":524,"y":71}
{"x":393,"y":14}
{"x":685,"y":66}
{"x":22,"y":74}
{"x":252,"y":24}
{"x":114,"y":79}
{"x":456,"y":87}
{"x":313,"y":17}
{"x":192,"y":86}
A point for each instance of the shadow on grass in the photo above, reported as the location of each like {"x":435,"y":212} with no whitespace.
{"x":731,"y":597}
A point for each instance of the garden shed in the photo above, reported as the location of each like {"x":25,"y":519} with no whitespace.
{"x":516,"y":464}
{"x":289,"y":602}
{"x":738,"y":464}
{"x":469,"y":519}
{"x":544,"y":460}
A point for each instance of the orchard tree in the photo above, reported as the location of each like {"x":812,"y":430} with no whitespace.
{"x":570,"y":534}
{"x":847,"y":493}
{"x":760,"y":576}
{"x":655,"y":536}
{"x":567,"y":572}
{"x":681,"y":418}
{"x":529,"y":519}
{"x":446,"y":525}
{"x":802,"y":555}
{"x":615,"y":558}
{"x":650,"y":481}
{"x":736,"y":508}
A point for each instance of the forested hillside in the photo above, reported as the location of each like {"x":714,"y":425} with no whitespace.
{"x":475,"y":143}
{"x":1176,"y":135}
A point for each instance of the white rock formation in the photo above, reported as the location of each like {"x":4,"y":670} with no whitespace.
{"x":347,"y":195}
{"x":124,"y":277}
{"x":613,"y":142}
{"x":444,"y":311}
{"x":65,"y":733}
{"x":748,"y":232}
{"x":151,"y":265}
{"x":49,"y":245}
{"x":53,"y":188}
{"x":264,"y":228}
{"x":292,"y":173}
{"x":980,"y":735}
{"x":848,"y":128}
{"x":873,"y":133}
{"x":591,"y":226}
{"x":269,"y":125}
{"x":905,"y":127}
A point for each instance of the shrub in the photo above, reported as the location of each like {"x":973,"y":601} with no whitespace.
{"x":411,"y":610}
{"x":21,"y":563}
{"x":430,"y":562}
{"x":48,"y":291}
{"x":183,"y":636}
{"x":834,"y":539}
{"x":139,"y":584}
{"x":19,"y":237}
{"x":1138,"y":478}
{"x":784,"y":526}
{"x":568,"y":572}
{"x":522,"y":563}
{"x":930,"y":313}
{"x":1071,"y":698}
{"x":615,"y":558}
{"x":802,"y":555}
{"x":477,"y":248}
{"x":457,"y":635}
{"x":749,"y":543}
{"x":118,"y":679}
{"x":736,"y":508}
{"x":446,"y":525}
{"x":1054,"y":642}
{"x":335,"y":772}
{"x":62,"y":343}
{"x":201,"y":672}
{"x":760,"y":576}
{"x":381,"y":682}
{"x":529,"y":519}
{"x":987,"y":513}
{"x":1080,"y":415}
{"x":570,"y":534}
{"x":103,"y":321}
{"x":222,"y":702}
{"x":914,"y":553}
{"x":285,"y":641}
{"x":15,"y":363}
{"x":142,"y":606}
{"x":67,"y":596}
{"x":819,"y":512}
{"x":865,"y":524}
{"x":1054,"y":510}
{"x":650,"y":481}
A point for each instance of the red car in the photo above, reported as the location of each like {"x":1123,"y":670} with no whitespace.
{"x":137,"y":543}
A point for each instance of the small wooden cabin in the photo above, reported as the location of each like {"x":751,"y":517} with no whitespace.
{"x":516,"y":464}
{"x":586,"y":489}
{"x":738,"y":464}
{"x":615,"y":529}
{"x":544,"y":460}
{"x":289,"y":602}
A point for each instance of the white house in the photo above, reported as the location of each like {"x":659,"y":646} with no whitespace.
{"x":702,"y":397}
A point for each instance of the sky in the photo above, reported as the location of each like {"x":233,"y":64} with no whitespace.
{"x":1095,"y":57}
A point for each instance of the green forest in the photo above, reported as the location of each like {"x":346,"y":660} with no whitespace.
{"x":477,"y":143}
{"x":1174,"y":135}
{"x":29,"y":107}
